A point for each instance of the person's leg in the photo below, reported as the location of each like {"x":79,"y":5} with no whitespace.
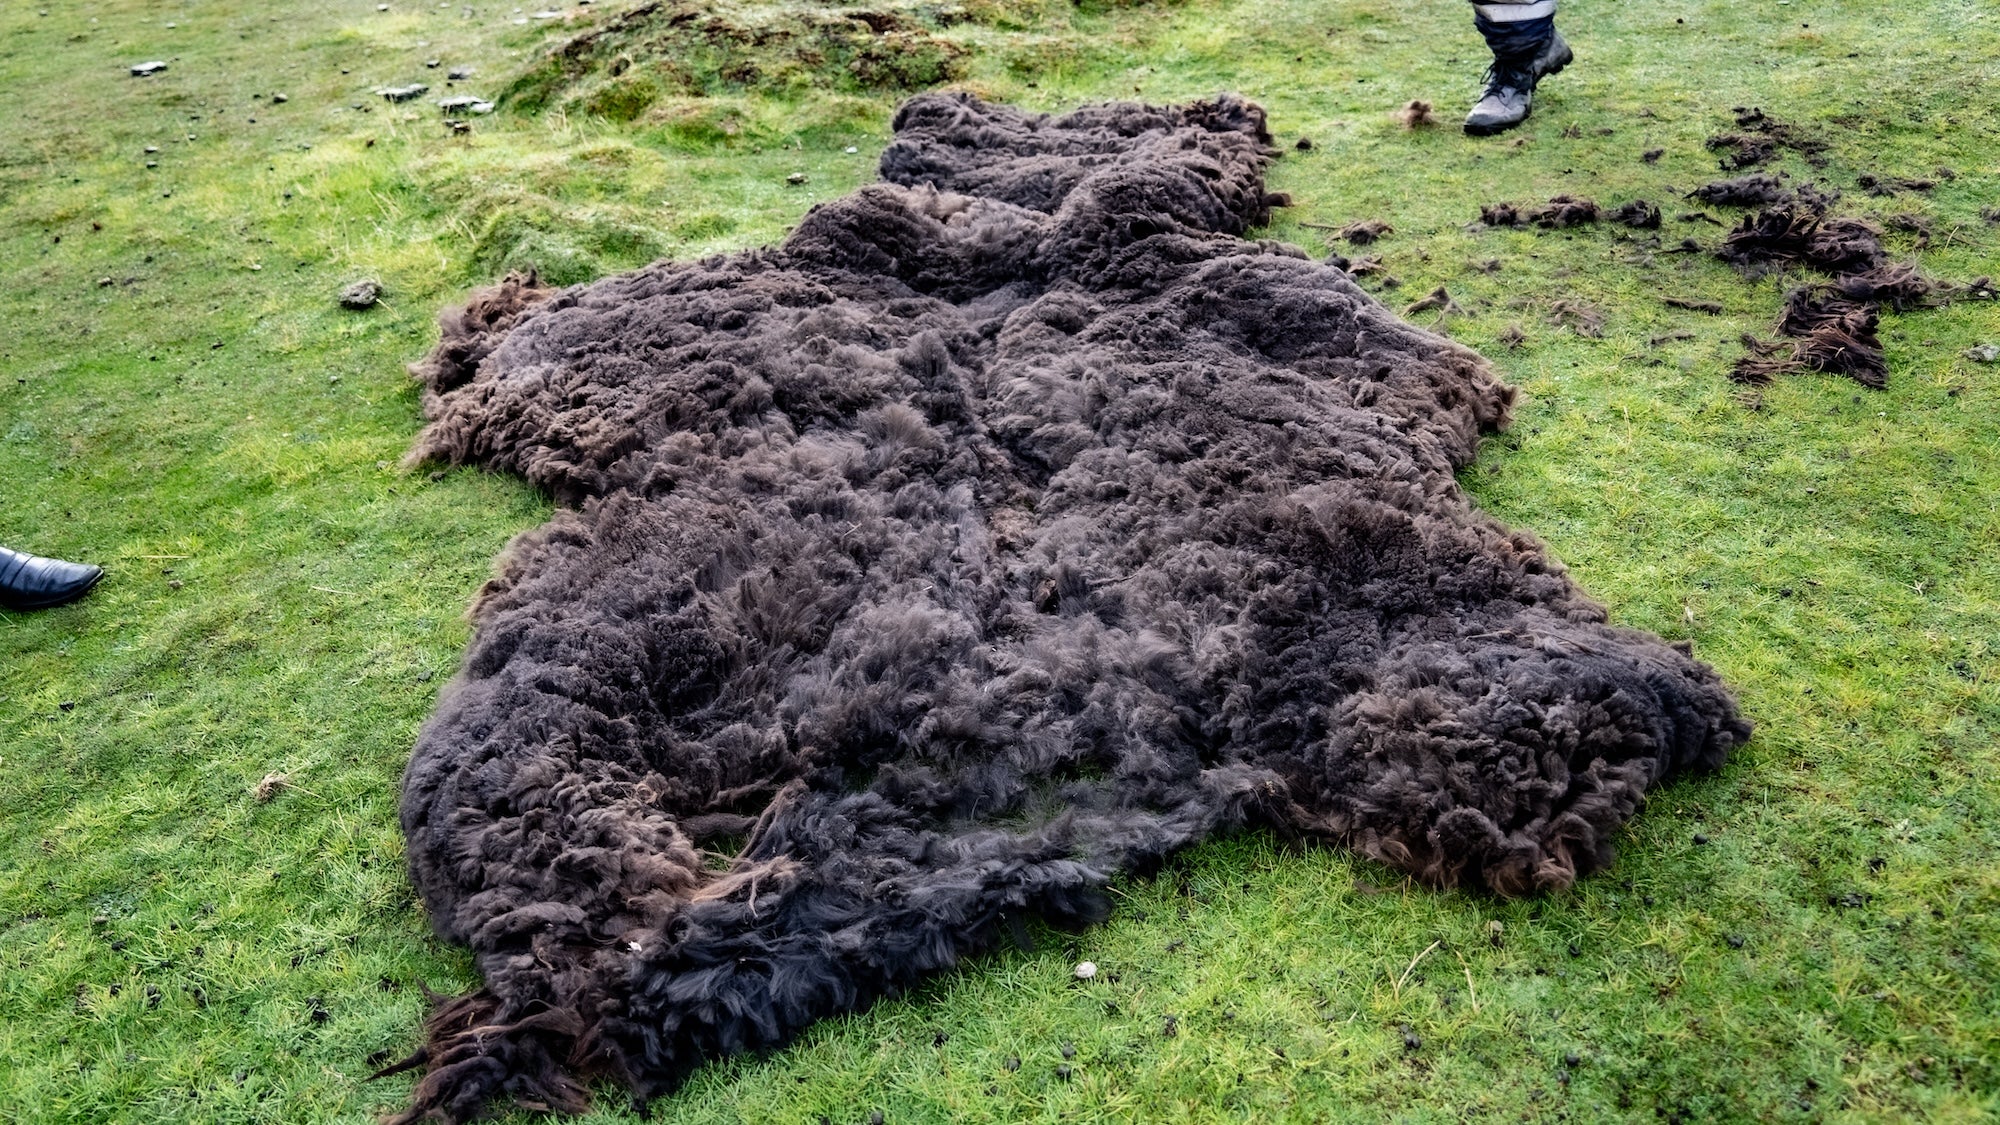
{"x":1526,"y":49}
{"x":32,"y":582}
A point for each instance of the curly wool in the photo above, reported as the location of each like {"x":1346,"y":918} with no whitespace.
{"x":1012,"y":525}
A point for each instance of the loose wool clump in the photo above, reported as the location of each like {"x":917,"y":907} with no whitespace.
{"x":1012,"y":525}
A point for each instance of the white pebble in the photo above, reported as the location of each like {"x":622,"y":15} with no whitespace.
{"x":1086,"y":970}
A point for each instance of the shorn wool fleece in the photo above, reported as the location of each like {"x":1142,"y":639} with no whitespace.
{"x":1010,"y":526}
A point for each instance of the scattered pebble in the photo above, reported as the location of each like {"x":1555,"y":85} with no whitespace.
{"x":1735,"y":941}
{"x":148,"y":69}
{"x":433,"y":64}
{"x":458,"y":74}
{"x":404,"y":93}
{"x":361,"y":295}
{"x":1068,"y":1050}
{"x":1983,"y":353}
{"x":851,"y":149}
{"x":1700,"y":838}
{"x":279,"y":99}
{"x":796,"y":178}
{"x":1305,"y":144}
{"x":1086,"y":970}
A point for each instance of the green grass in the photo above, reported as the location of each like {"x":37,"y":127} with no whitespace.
{"x":283,"y":598}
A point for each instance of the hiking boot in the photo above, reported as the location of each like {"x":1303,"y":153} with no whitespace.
{"x":1510,"y":89}
{"x":33,"y":582}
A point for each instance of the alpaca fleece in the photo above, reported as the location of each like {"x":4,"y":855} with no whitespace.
{"x":1012,"y":525}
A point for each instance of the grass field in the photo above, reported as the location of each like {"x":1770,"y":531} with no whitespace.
{"x":1813,"y":934}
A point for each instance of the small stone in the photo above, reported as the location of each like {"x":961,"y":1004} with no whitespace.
{"x":1735,"y":941}
{"x":361,"y":295}
{"x":1305,"y":144}
{"x":104,"y":283}
{"x":1068,"y":1050}
{"x":148,"y":69}
{"x":1012,"y":1064}
{"x":151,"y":149}
{"x":1700,"y":839}
{"x":1983,"y":353}
{"x":1063,"y":1072}
{"x":796,"y":178}
{"x":850,"y":149}
{"x":404,"y":93}
{"x":1571,"y":1059}
{"x":433,"y":64}
{"x":876,"y":1118}
{"x":1086,"y":970}
{"x":279,"y":99}
{"x":458,"y":73}
{"x":458,"y":103}
{"x":1411,"y":1041}
{"x":67,"y":705}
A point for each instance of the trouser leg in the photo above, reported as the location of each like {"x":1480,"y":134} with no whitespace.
{"x":1515,"y":31}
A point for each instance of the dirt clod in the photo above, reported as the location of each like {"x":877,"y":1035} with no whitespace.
{"x":361,"y":295}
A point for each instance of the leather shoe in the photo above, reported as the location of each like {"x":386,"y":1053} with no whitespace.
{"x":33,"y":582}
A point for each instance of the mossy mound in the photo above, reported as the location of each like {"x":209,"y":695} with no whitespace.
{"x":664,"y":49}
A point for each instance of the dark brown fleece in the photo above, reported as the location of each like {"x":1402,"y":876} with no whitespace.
{"x":1012,"y":525}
